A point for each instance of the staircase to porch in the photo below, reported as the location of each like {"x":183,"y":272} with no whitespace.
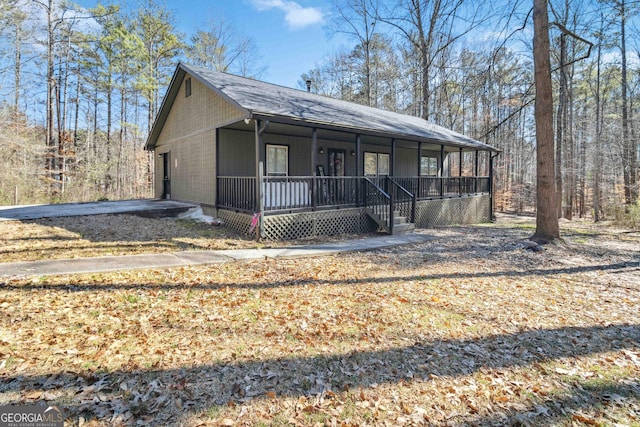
{"x":392,"y":207}
{"x":401,"y":224}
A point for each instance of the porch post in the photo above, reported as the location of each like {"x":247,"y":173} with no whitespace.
{"x":392,"y":167}
{"x":358,"y":156}
{"x":256,"y":125}
{"x":460,"y":174}
{"x":476,"y":173}
{"x":217,"y":172}
{"x":491,"y":217}
{"x":442,"y":171}
{"x":418,"y":187}
{"x":314,"y":160}
{"x":258,"y":202}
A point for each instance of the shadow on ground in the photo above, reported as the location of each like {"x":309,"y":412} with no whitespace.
{"x":103,"y":395}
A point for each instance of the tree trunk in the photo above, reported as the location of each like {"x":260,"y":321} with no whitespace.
{"x":50,"y":140}
{"x":582,"y":192}
{"x":628,"y":157}
{"x":547,"y":228}
{"x":560,"y":121}
{"x":598,"y":156}
{"x":17,"y":68}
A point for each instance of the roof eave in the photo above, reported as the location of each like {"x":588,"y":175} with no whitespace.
{"x":367,"y":131}
{"x":172,"y":92}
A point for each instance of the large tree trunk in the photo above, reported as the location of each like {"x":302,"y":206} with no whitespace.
{"x":547,"y":228}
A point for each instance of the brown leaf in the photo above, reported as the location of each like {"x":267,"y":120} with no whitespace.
{"x":35,"y":394}
{"x":585,"y":420}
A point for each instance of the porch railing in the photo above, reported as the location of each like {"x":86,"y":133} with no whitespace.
{"x":404,"y":200}
{"x":379,"y":201}
{"x":309,"y":192}
{"x":427,"y":187}
{"x":237,"y":193}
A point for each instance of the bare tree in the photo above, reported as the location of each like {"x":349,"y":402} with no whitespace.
{"x":547,"y":227}
{"x":357,"y":19}
{"x":220,"y":47}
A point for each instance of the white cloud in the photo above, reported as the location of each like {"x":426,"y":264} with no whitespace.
{"x":296,"y":16}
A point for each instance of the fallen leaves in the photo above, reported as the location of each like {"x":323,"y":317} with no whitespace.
{"x":482,"y":334}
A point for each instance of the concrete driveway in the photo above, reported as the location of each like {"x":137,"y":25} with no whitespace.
{"x":143,"y":207}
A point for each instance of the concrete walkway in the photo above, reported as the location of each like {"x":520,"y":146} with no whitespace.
{"x":144,"y":207}
{"x":185,"y":258}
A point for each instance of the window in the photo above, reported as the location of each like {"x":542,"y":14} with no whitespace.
{"x":376,"y":164}
{"x":383,"y":164}
{"x":277,"y":160}
{"x":370,"y":164}
{"x":187,"y":87}
{"x":428,"y":166}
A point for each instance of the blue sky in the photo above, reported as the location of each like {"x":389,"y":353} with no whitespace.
{"x":290,"y":35}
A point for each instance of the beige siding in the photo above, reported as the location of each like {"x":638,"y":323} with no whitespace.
{"x":189,"y":134}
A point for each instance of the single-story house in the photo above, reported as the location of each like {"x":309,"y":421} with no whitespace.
{"x":286,"y":163}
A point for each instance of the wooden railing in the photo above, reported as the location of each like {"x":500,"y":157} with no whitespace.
{"x":292,"y":193}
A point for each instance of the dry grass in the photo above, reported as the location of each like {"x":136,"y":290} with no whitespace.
{"x":104,"y":235}
{"x":468,"y":328}
{"x":100,"y":235}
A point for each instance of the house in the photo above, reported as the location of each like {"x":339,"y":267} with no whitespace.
{"x":290,"y":164}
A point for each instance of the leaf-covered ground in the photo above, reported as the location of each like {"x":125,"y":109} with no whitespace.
{"x":469,"y":328}
{"x":102,"y":235}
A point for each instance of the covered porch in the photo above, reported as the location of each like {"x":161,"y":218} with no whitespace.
{"x":383,"y":181}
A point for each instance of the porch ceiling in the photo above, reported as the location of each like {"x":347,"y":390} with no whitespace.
{"x":304,"y":130}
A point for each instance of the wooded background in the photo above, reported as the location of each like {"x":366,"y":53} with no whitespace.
{"x":79,"y":89}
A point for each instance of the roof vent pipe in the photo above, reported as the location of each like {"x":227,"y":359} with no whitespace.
{"x":309,"y":85}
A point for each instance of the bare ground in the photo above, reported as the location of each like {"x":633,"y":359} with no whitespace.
{"x":472,"y":327}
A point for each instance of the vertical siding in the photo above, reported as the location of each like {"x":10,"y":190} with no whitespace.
{"x":237,"y":153}
{"x":299,"y":152}
{"x":189,"y":133}
{"x":406,"y":162}
{"x":350,"y":161}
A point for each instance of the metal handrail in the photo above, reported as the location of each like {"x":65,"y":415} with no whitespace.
{"x":412,"y":196}
{"x":383,"y":203}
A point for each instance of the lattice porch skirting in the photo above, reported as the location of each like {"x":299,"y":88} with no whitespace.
{"x":429,"y":213}
{"x":459,"y":210}
{"x":304,"y":224}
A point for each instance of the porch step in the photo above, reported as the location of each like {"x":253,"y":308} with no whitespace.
{"x":406,"y":228}
{"x":400,"y":223}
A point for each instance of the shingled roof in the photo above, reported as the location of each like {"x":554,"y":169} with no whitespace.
{"x":268,"y":101}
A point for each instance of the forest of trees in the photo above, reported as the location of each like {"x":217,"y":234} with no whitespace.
{"x":79,"y":89}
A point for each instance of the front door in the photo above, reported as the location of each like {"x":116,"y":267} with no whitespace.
{"x":336,"y":168}
{"x":336,"y":162}
{"x":166,"y":175}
